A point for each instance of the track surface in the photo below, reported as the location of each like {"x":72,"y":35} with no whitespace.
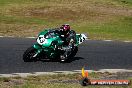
{"x":95,"y":54}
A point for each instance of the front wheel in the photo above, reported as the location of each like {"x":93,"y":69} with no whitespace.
{"x":28,"y":55}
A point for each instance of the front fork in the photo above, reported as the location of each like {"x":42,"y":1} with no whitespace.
{"x":38,"y":49}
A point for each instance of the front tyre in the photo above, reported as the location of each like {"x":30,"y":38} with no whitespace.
{"x":28,"y":55}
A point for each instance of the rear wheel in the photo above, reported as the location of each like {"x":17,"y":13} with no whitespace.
{"x":28,"y":55}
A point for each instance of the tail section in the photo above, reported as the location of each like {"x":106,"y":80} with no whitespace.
{"x":81,"y":38}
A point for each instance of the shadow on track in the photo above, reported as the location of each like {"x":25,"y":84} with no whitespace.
{"x":56,"y":60}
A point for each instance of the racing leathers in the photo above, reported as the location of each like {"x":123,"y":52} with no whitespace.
{"x":69,"y":39}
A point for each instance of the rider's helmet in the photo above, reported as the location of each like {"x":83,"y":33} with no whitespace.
{"x":65,"y":28}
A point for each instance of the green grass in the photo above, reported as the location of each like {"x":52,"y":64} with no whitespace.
{"x":101,"y":19}
{"x":126,"y":2}
{"x":62,"y":85}
{"x":21,"y":20}
{"x":118,"y":30}
{"x":54,"y":81}
{"x":6,"y":2}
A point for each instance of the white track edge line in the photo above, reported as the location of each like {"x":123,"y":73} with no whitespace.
{"x":86,"y":39}
{"x":127,"y":41}
{"x":64,"y":72}
{"x":1,"y":36}
{"x":108,"y":40}
{"x":31,"y":37}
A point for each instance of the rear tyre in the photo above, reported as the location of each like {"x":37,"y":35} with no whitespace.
{"x":28,"y":55}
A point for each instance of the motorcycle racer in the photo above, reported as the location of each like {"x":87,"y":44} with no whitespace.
{"x":68,"y":36}
{"x":57,"y":43}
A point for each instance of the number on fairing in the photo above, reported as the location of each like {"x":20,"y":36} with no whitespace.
{"x":41,"y":39}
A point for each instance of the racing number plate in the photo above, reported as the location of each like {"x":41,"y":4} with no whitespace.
{"x":41,"y":39}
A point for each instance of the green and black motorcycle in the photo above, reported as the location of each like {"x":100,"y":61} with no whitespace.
{"x":51,"y":46}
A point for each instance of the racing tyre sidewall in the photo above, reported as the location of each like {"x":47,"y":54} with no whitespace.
{"x":28,"y":55}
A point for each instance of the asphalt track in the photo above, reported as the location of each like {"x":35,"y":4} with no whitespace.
{"x":94,"y":54}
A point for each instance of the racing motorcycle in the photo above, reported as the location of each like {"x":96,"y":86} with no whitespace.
{"x":50,"y":45}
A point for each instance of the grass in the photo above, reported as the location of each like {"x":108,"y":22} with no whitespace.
{"x":101,"y":19}
{"x":127,"y":2}
{"x":53,"y":81}
{"x":118,"y":30}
